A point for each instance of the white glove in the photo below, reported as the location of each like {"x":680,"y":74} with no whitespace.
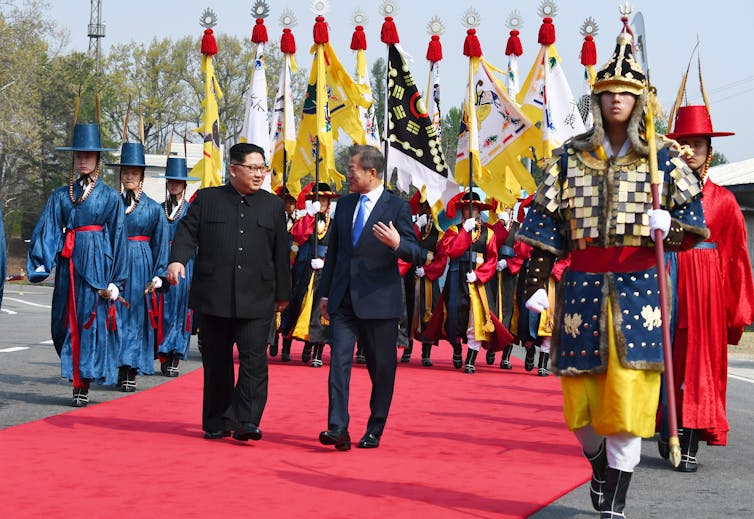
{"x":471,"y":277}
{"x":502,"y":265}
{"x":312,"y":208}
{"x":538,"y":301}
{"x":317,"y":263}
{"x":421,"y":221}
{"x":300,"y":213}
{"x":114,"y":292}
{"x":420,"y":272}
{"x":157,"y":282}
{"x":658,"y":219}
{"x":40,"y":268}
{"x":504,"y":216}
{"x":469,"y":224}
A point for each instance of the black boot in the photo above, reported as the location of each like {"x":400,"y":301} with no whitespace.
{"x":317,"y":355}
{"x":285,"y":356}
{"x":544,"y":359}
{"x":426,"y":351}
{"x":490,"y":357}
{"x":123,"y":378}
{"x":689,"y":446}
{"x":599,"y":472}
{"x":457,"y":355}
{"x":407,"y":353}
{"x":616,"y":488}
{"x":663,"y":447}
{"x":274,"y":346}
{"x":470,"y":360}
{"x":81,"y":395}
{"x":529,"y":359}
{"x":173,"y":370}
{"x":164,"y":365}
{"x":360,"y":357}
{"x":306,"y":353}
{"x":505,"y":362}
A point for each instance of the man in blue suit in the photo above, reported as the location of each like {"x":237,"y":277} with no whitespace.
{"x":360,"y":292}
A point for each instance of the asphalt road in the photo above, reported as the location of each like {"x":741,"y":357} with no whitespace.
{"x":31,"y":388}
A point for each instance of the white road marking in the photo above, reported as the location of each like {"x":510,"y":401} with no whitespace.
{"x":15,"y":348}
{"x":9,"y":312}
{"x":25,"y":302}
{"x":742,"y":379}
{"x":46,"y":342}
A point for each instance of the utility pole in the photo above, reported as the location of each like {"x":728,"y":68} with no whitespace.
{"x":96,"y":33}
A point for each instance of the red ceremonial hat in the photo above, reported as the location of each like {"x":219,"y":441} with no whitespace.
{"x":694,"y":121}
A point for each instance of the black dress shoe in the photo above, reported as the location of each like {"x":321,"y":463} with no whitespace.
{"x":248,"y":431}
{"x":369,"y":441}
{"x":216,"y":435}
{"x":338,"y":437}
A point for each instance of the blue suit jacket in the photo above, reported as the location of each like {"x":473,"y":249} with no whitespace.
{"x":370,"y":269}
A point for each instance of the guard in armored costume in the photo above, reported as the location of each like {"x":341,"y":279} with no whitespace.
{"x":595,"y":203}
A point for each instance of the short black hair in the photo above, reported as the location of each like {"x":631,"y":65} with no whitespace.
{"x":239,"y":151}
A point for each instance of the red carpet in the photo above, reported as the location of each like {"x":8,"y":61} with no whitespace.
{"x":492,"y":444}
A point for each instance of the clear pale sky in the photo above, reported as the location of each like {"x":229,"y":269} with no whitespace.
{"x":724,"y":28}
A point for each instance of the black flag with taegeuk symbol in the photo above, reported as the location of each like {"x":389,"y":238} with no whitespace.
{"x":414,"y":144}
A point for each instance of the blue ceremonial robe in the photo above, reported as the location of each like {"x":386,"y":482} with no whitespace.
{"x":176,"y":317}
{"x":147,"y":256}
{"x":3,"y":258}
{"x":98,"y":259}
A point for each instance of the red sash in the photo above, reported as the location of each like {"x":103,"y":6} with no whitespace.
{"x":67,"y":252}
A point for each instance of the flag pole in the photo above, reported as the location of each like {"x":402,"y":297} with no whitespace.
{"x":388,"y":36}
{"x":316,"y":194}
{"x":288,"y":48}
{"x":473,"y":49}
{"x":652,"y":105}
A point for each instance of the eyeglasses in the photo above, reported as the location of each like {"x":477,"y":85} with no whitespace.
{"x":253,"y":168}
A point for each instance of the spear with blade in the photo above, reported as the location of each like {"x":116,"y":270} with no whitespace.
{"x":651,"y":108}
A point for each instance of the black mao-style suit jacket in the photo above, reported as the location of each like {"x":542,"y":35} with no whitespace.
{"x":242,"y":262}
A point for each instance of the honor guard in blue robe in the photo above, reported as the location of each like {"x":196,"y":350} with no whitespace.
{"x":81,"y":234}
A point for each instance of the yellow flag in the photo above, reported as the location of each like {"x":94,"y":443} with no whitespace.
{"x":315,"y":128}
{"x":209,"y":168}
{"x":283,"y":131}
{"x":497,"y":132}
{"x":345,"y":97}
{"x":547,"y":99}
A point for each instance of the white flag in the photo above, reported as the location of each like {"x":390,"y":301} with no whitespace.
{"x":512,"y":82}
{"x":256,"y":123}
{"x":433,"y":97}
{"x":546,"y":98}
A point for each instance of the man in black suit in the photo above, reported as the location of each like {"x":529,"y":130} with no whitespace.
{"x":241,"y":276}
{"x":360,"y":292}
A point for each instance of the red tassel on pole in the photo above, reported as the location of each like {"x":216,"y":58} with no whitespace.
{"x":301,"y":200}
{"x":451,"y":210}
{"x":359,"y":39}
{"x":389,"y":33}
{"x":259,"y":34}
{"x":514,"y":47}
{"x":209,"y":45}
{"x":320,"y":30}
{"x":546,"y":32}
{"x":287,"y":42}
{"x":471,"y":46}
{"x":434,"y":50}
{"x":588,"y":51}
